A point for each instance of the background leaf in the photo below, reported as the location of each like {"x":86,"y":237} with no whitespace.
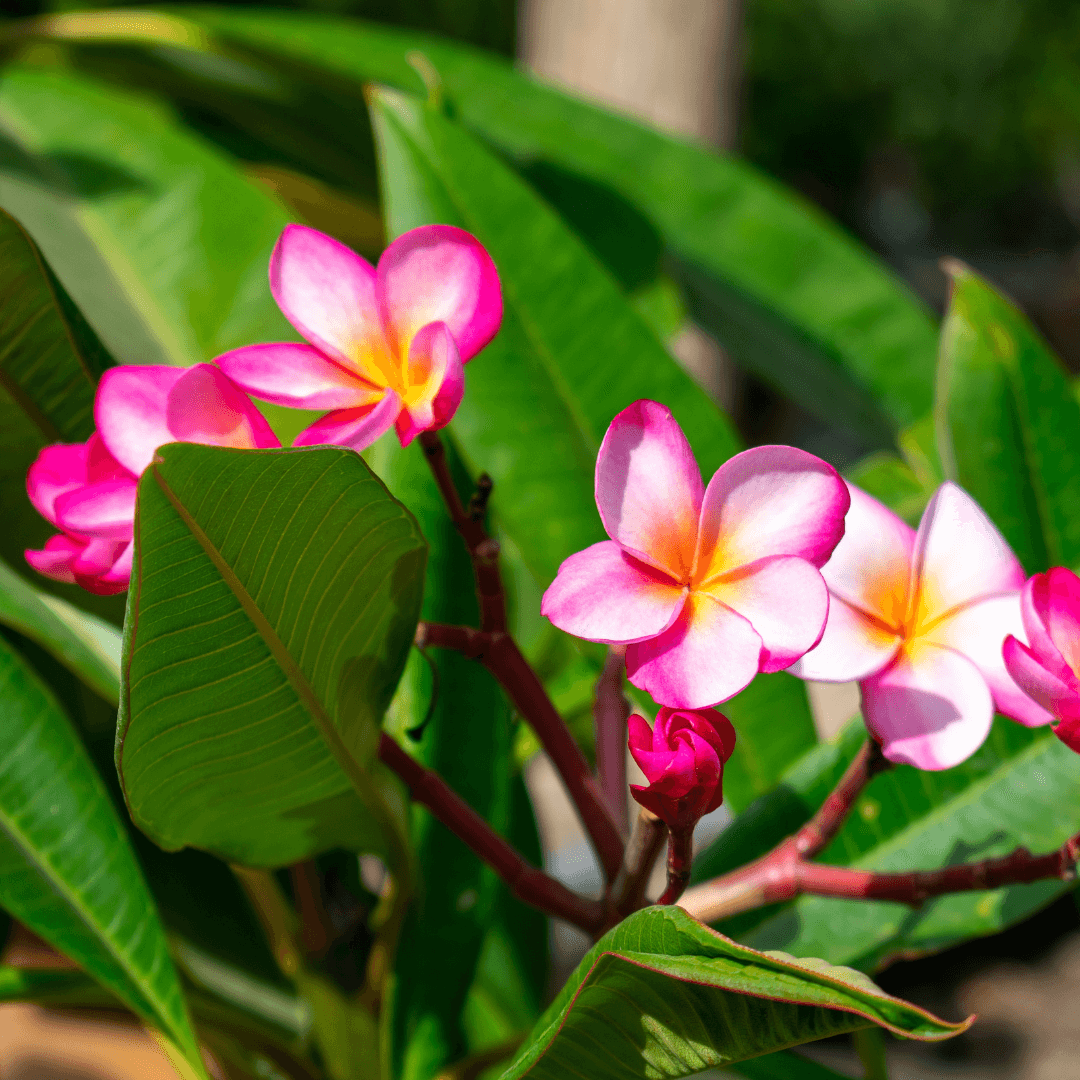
{"x":250,"y":712}
{"x":1009,"y":423}
{"x":663,"y":996}
{"x":66,"y":868}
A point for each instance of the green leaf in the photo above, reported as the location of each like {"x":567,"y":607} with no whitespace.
{"x":1008,"y":420}
{"x":893,"y":482}
{"x":272,"y":604}
{"x":793,"y":296}
{"x":774,"y":725}
{"x":467,"y":741}
{"x":1017,"y":790}
{"x":66,"y":867}
{"x":663,"y":996}
{"x":785,"y":1066}
{"x":571,"y":352}
{"x":48,"y":986}
{"x":88,"y":646}
{"x":50,"y":361}
{"x":157,"y":236}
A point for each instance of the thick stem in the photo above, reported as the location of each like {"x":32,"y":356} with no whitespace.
{"x":815,"y":835}
{"x":316,"y":933}
{"x":500,"y":655}
{"x":483,"y":549}
{"x":525,"y":881}
{"x":646,"y":842}
{"x":610,"y":713}
{"x":680,"y":856}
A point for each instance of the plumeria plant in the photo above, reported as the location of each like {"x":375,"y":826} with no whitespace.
{"x":317,"y":544}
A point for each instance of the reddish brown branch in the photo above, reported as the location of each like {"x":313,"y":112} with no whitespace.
{"x":628,"y":889}
{"x":525,"y":881}
{"x":610,"y":713}
{"x":316,"y":932}
{"x":499,"y":653}
{"x":680,"y":856}
{"x":483,"y":549}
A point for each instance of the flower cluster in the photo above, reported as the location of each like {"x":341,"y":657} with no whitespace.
{"x":87,"y":490}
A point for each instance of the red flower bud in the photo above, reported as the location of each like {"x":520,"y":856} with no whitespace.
{"x":683,"y":758}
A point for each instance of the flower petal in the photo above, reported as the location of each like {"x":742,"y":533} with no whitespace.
{"x":1041,"y":685}
{"x":56,"y":470}
{"x":297,"y":376}
{"x":100,"y":464}
{"x":355,"y":428}
{"x":130,"y":411}
{"x":435,"y":381}
{"x":871,"y":566}
{"x":438,"y":273}
{"x":56,"y":558}
{"x":206,"y":406}
{"x":648,"y":488}
{"x":708,"y":655}
{"x":97,"y":557}
{"x":978,"y":631}
{"x":959,"y":554}
{"x":327,"y":292}
{"x":771,"y":500}
{"x":786,"y":601}
{"x":105,"y":510}
{"x":930,"y":708}
{"x":852,"y":647}
{"x":120,"y":571}
{"x":1056,"y":598}
{"x":603,"y":594}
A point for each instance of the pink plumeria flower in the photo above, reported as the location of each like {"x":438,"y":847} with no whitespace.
{"x":88,"y":489}
{"x":386,"y":344}
{"x":704,"y":586}
{"x":682,"y":758}
{"x":1048,"y":670}
{"x":919,"y":620}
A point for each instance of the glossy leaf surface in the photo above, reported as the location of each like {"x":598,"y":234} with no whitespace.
{"x":1010,"y":423}
{"x":273,"y":601}
{"x":663,"y":996}
{"x":571,"y":352}
{"x":67,"y":870}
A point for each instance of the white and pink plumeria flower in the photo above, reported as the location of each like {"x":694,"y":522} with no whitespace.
{"x":386,"y":345}
{"x":1048,"y":669}
{"x":919,"y":619}
{"x":88,"y":489}
{"x":706,"y":586}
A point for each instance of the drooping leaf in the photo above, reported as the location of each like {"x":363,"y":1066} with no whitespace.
{"x":571,"y":352}
{"x":663,"y":996}
{"x":273,"y":600}
{"x":67,"y":870}
{"x":787,"y":291}
{"x":785,"y":1065}
{"x":1017,"y":790}
{"x":466,"y":739}
{"x":1009,"y":422}
{"x":88,"y":646}
{"x":159,"y":238}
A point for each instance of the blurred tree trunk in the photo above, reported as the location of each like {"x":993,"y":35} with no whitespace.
{"x":675,"y":63}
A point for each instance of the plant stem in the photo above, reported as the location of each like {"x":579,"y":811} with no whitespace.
{"x":483,"y":549}
{"x":680,"y":856}
{"x":525,"y":881}
{"x":499,"y":653}
{"x":610,"y":713}
{"x":646,"y":841}
{"x":316,"y":933}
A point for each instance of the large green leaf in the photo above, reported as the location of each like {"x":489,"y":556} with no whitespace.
{"x":464,"y":708}
{"x":273,"y":600}
{"x":88,"y":646}
{"x":50,"y":361}
{"x":161,"y":241}
{"x":663,"y":996}
{"x":794,"y":297}
{"x":1009,"y":422}
{"x":67,"y":869}
{"x":571,"y":352}
{"x":1019,"y":789}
